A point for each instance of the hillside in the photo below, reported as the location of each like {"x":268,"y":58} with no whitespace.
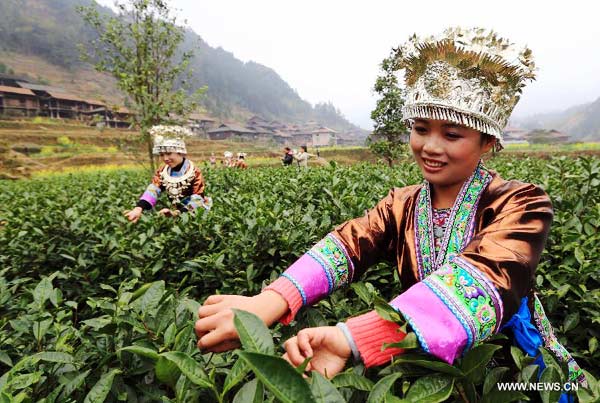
{"x":581,"y":122}
{"x":40,"y":39}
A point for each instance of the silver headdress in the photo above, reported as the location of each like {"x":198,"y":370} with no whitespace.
{"x":471,"y":77}
{"x":169,"y":139}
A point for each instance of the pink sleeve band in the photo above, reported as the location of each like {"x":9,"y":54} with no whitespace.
{"x":290,"y":293}
{"x":437,"y":328}
{"x":151,"y":194}
{"x":370,"y":331}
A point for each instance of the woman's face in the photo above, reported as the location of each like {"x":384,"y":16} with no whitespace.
{"x":447,"y":153}
{"x":172,"y":159}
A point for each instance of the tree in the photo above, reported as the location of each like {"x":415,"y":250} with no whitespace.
{"x":140,"y":48}
{"x":388,"y":139}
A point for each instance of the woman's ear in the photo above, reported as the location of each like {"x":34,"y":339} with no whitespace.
{"x":488,"y":143}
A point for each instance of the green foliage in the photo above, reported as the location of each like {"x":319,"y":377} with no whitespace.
{"x":5,"y":69}
{"x":140,"y":49}
{"x":64,"y":141}
{"x":390,"y":133}
{"x":90,"y":303}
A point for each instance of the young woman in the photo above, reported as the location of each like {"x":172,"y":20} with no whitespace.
{"x":241,"y":161}
{"x":466,"y":242}
{"x":179,"y":177}
{"x":302,"y":157}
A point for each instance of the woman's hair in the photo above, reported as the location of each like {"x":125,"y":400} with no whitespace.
{"x":486,"y":138}
{"x":304,"y":148}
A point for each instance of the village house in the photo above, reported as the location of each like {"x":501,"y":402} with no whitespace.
{"x":514,"y":135}
{"x":22,"y":98}
{"x":302,"y":137}
{"x":18,"y":101}
{"x":540,"y":136}
{"x":9,"y":80}
{"x":345,"y":139}
{"x":231,"y":131}
{"x":200,"y":124}
{"x":283,"y":138}
{"x":324,"y":136}
{"x":56,"y":102}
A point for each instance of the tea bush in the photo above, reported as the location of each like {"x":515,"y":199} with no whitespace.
{"x":93,"y":308}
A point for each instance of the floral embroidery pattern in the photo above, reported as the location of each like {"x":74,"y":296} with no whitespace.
{"x":459,"y":228}
{"x":551,"y":343}
{"x":440,"y":222}
{"x":470,"y":296}
{"x":335,"y":261}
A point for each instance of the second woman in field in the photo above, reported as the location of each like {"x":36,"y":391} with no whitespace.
{"x":179,"y":178}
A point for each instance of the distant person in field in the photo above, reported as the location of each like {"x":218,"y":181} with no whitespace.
{"x":178,"y":177}
{"x":302,"y":156}
{"x":228,"y":161}
{"x":241,"y":161}
{"x":212,"y":160}
{"x":288,"y":157}
{"x":466,"y":242}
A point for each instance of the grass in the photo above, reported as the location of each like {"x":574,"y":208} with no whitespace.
{"x":45,"y":173}
{"x":584,"y":146}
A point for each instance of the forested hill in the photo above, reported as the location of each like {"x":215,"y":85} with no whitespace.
{"x":52,"y":30}
{"x":581,"y":122}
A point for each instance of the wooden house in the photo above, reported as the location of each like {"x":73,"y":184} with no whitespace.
{"x":231,"y":131}
{"x":18,"y":101}
{"x":10,"y":80}
{"x":541,"y":136}
{"x":200,"y":124}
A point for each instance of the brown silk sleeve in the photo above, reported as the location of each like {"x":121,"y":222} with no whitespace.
{"x":198,"y":187}
{"x":372,"y":237}
{"x":508,"y":249}
{"x":156,"y":181}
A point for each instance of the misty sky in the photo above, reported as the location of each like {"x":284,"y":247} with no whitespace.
{"x":330,"y":50}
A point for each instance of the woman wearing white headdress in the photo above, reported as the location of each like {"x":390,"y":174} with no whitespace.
{"x":466,"y":242}
{"x":241,"y":161}
{"x":178,"y":177}
{"x":228,"y":161}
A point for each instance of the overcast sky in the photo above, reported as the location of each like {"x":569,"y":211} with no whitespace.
{"x":330,"y":50}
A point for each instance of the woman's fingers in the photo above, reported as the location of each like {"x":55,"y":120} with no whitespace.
{"x":227,"y":345}
{"x":212,"y":322}
{"x":304,"y":340}
{"x":214,"y":299}
{"x":293,"y":352}
{"x":216,"y":337}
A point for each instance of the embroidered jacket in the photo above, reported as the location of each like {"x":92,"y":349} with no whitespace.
{"x":184,"y":187}
{"x":453,"y":299}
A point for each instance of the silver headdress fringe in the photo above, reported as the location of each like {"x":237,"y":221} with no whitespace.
{"x":465,"y":118}
{"x":469,"y":77}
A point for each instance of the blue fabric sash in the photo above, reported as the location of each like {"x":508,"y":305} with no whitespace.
{"x":528,"y":338}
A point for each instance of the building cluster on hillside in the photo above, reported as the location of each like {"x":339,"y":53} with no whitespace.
{"x":516,"y":135}
{"x":258,"y":129}
{"x":20,"y":97}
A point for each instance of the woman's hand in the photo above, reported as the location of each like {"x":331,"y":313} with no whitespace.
{"x":215,"y":329}
{"x":133,"y":215}
{"x":169,"y":213}
{"x":327,"y":346}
